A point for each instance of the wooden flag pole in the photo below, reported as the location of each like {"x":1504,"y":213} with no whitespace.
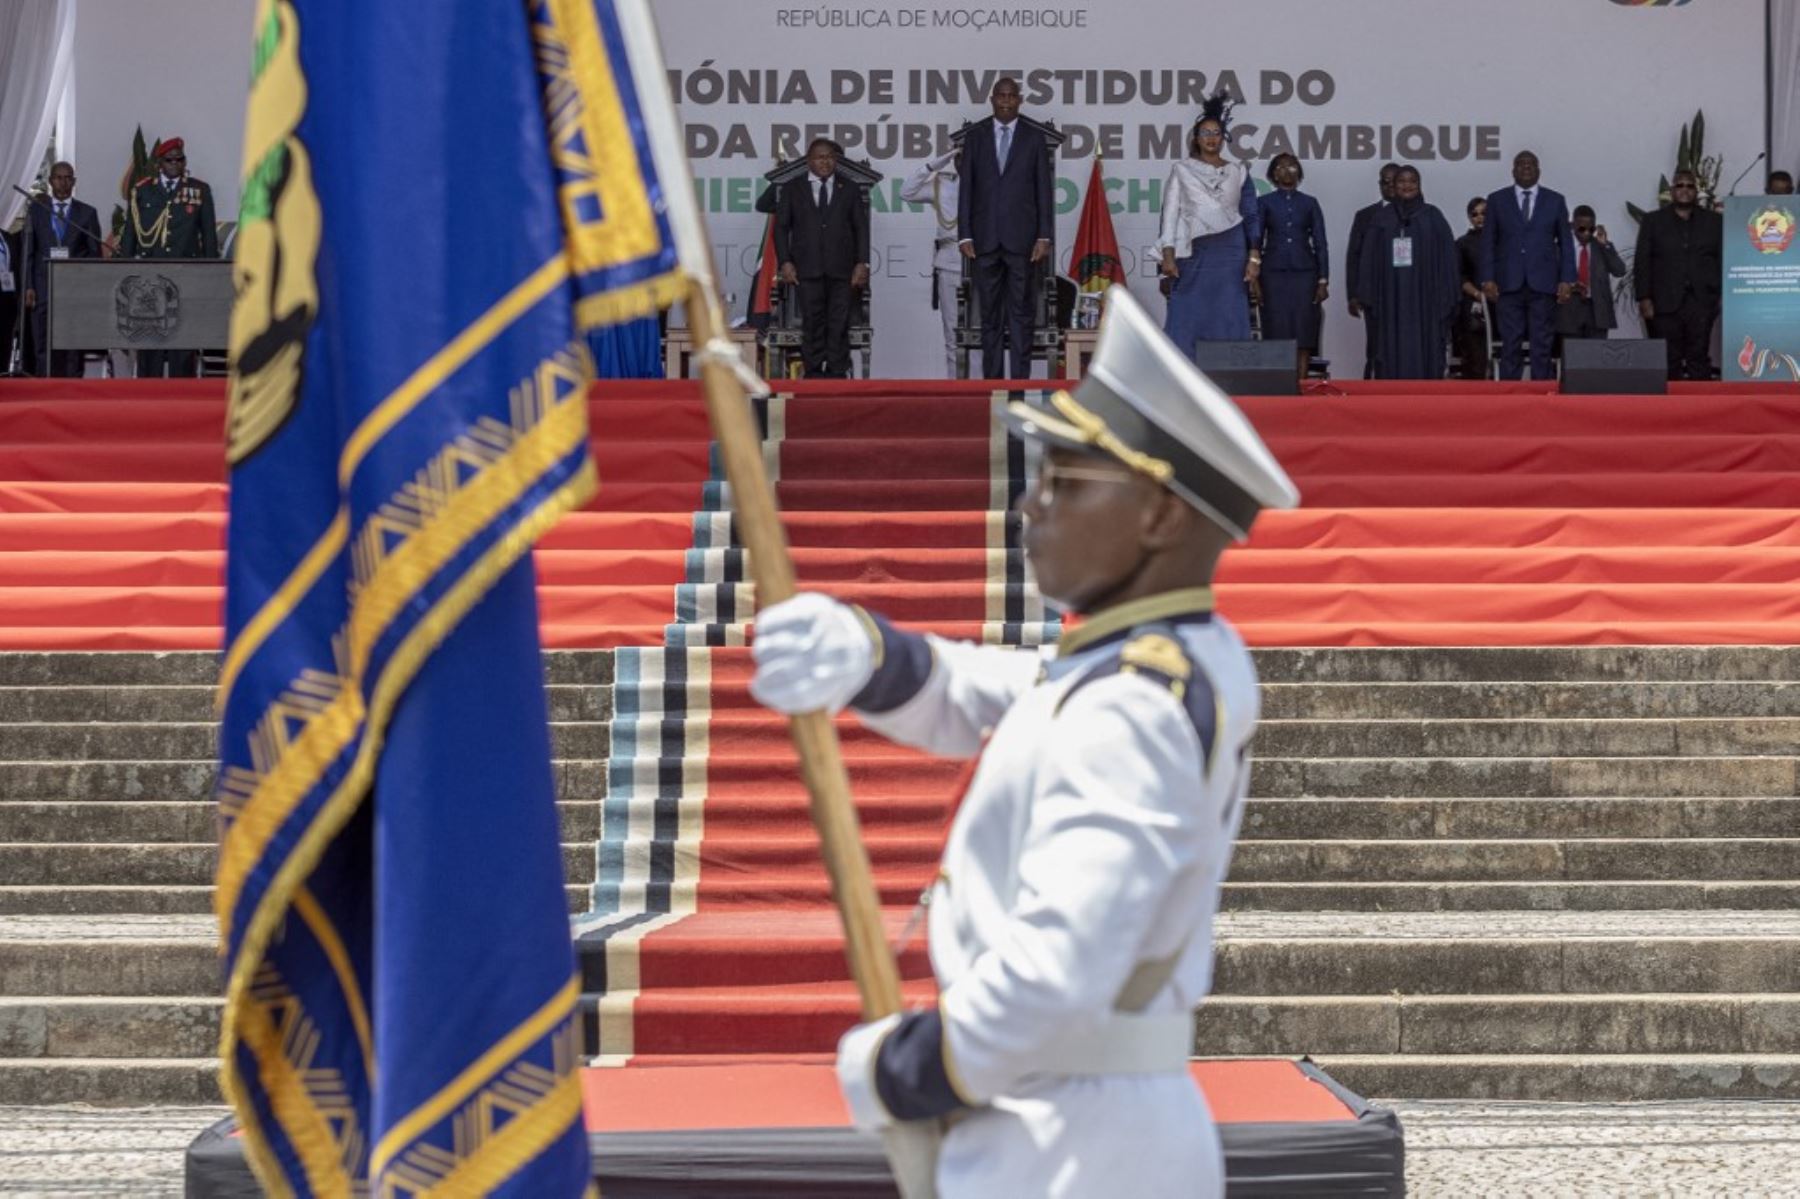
{"x":872,"y":963}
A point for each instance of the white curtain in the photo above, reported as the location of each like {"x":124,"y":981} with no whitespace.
{"x":37,"y":46}
{"x":1784,"y":86}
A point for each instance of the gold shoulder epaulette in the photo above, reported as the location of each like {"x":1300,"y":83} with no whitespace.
{"x":1158,"y":654}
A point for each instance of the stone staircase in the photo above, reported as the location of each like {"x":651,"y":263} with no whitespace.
{"x":1511,"y":873}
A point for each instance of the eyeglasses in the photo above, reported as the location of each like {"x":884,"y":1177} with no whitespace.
{"x":1209,"y":133}
{"x":174,"y":158}
{"x":1050,"y":476}
{"x":1683,"y":187}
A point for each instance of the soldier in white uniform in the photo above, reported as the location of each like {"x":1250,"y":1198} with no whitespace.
{"x":1071,"y":923}
{"x":935,"y":184}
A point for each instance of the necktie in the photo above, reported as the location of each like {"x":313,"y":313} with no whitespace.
{"x":61,"y":221}
{"x":1581,"y":266}
{"x":1525,"y":206}
{"x":1005,"y":144}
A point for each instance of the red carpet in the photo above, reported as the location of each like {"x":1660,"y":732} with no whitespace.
{"x":1468,"y":514}
{"x":803,"y":1094}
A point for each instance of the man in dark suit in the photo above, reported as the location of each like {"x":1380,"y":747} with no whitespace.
{"x":1680,"y":251}
{"x":1353,"y":258}
{"x":1005,"y":222}
{"x":1589,"y":311}
{"x":822,"y":244}
{"x":1527,"y":267}
{"x":61,"y":227}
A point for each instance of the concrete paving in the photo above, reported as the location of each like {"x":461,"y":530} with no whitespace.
{"x":1454,"y":1149}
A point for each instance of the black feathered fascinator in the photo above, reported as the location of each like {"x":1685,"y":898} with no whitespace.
{"x":1217,"y":107}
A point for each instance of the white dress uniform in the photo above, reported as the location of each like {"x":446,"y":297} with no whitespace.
{"x":935,"y":184}
{"x":1088,"y":852}
{"x":1071,"y":922}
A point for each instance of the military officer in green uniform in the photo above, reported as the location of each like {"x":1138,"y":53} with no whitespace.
{"x":170,"y":216}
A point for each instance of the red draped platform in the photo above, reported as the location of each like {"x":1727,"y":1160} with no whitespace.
{"x":1469,"y":514}
{"x":779,"y":1130}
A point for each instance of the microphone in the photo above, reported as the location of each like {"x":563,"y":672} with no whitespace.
{"x":1747,"y":170}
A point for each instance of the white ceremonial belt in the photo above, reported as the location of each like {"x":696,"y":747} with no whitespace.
{"x":1128,"y":1043}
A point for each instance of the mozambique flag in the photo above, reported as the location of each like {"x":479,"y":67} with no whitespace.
{"x":1094,"y":263}
{"x":441,"y":203}
{"x":760,"y":310}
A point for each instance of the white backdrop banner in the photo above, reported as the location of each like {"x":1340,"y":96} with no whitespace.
{"x":1598,"y":88}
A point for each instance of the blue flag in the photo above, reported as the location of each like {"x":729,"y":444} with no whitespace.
{"x":442,"y":204}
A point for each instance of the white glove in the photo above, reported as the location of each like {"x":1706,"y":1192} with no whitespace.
{"x":812,"y":654}
{"x":942,"y":162}
{"x":913,"y":1146}
{"x":857,"y":1051}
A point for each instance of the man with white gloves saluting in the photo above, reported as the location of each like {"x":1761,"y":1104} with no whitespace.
{"x":1071,"y":922}
{"x":935,"y":183}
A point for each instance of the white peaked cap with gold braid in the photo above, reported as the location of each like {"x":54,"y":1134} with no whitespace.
{"x":1146,"y":404}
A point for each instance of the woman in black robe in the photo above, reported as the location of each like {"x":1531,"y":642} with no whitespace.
{"x":1408,"y":283}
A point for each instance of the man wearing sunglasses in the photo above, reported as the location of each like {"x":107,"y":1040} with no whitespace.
{"x":1680,"y":252}
{"x":1071,"y":921}
{"x":170,"y":216}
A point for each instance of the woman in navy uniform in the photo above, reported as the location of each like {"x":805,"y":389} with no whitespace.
{"x":1296,"y":262}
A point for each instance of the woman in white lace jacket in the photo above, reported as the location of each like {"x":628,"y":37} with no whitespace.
{"x":1211,"y":228}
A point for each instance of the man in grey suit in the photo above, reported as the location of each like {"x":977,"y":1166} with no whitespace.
{"x":1588,"y":312}
{"x":1006,"y":222}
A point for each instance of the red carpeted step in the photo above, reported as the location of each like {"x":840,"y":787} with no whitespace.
{"x":1537,"y":454}
{"x":1653,"y":564}
{"x":875,"y":778}
{"x":882,"y":495}
{"x":124,"y":607}
{"x":1459,"y":410}
{"x":795,"y":849}
{"x":1708,"y":631}
{"x":103,"y":533}
{"x":137,"y":637}
{"x":972,"y":529}
{"x":862,"y":417}
{"x":1624,"y":630}
{"x":756,"y":729}
{"x":102,"y":460}
{"x":1510,"y":528}
{"x":202,"y":568}
{"x":590,"y":529}
{"x":799,"y":945}
{"x":783,"y":1019}
{"x":753,"y":815}
{"x":59,"y":422}
{"x":915,"y":460}
{"x":809,"y":890}
{"x":1524,"y":605}
{"x":725,"y":886}
{"x":17,"y":496}
{"x":1747,"y":489}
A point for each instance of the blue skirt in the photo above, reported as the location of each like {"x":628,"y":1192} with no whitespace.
{"x":1288,"y":310}
{"x":1209,"y":301}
